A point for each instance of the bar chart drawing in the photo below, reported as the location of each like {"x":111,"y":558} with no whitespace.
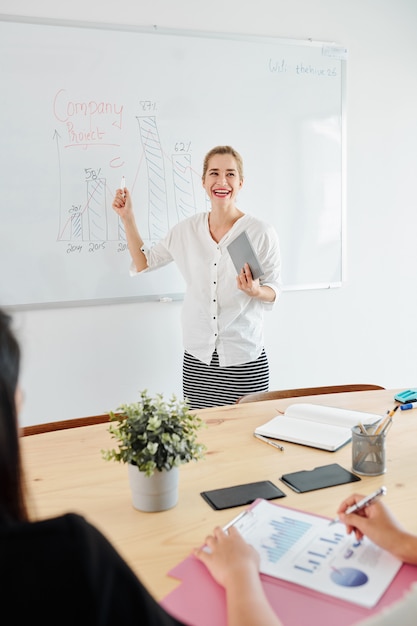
{"x":286,"y":532}
{"x":155,"y":130}
{"x":183,"y":185}
{"x":170,"y":195}
{"x":88,"y":222}
{"x":96,"y":210}
{"x":157,"y":193}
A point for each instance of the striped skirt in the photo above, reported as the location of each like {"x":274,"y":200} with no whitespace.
{"x":211,"y":385}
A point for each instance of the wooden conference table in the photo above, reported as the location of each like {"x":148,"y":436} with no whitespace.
{"x":65,"y":472}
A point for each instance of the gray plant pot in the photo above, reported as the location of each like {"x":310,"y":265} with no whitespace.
{"x":153,"y":493}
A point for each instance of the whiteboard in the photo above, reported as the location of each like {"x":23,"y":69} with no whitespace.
{"x":84,"y":105}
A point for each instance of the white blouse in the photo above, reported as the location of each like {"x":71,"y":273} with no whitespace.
{"x":216,"y":314}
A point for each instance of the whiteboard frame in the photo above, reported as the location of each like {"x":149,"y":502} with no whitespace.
{"x":334,"y":49}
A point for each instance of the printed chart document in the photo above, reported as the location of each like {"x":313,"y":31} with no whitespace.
{"x":315,"y":553}
{"x":316,"y":425}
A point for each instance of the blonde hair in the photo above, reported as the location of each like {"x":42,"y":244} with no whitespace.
{"x":223,"y":150}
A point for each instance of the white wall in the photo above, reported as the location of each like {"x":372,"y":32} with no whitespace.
{"x":362,"y":332}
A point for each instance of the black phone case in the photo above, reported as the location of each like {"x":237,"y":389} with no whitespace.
{"x":238,"y":495}
{"x":319,"y":478}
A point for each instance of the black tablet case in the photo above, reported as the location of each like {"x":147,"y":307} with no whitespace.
{"x":319,"y":478}
{"x":238,"y":495}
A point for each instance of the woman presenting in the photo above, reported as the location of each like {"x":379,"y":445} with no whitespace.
{"x":222,"y":316}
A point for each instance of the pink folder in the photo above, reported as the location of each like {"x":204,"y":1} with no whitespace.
{"x":200,"y":601}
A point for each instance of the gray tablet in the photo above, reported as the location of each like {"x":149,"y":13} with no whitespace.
{"x":241,"y":252}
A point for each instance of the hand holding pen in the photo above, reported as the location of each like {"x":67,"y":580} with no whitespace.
{"x":122,"y":202}
{"x":361,"y":504}
{"x":376,"y":522}
{"x":366,"y":501}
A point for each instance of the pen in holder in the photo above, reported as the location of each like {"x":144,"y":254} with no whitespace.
{"x":368,"y":451}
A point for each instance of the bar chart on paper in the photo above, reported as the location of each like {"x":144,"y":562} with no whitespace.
{"x":308,"y":550}
{"x":285,"y":534}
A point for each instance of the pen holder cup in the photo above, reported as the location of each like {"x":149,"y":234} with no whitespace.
{"x":368,"y":453}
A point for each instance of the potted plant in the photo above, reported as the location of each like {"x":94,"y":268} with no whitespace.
{"x":154,"y":438}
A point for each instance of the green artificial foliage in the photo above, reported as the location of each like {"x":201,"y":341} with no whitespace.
{"x":155,"y":434}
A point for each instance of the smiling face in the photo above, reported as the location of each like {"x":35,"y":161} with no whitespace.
{"x":222,"y":180}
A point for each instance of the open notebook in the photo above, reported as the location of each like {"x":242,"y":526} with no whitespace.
{"x":316,"y":425}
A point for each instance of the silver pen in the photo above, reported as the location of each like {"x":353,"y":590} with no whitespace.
{"x":271,"y":443}
{"x":235,"y":520}
{"x":363,"y":503}
{"x":232,"y":522}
